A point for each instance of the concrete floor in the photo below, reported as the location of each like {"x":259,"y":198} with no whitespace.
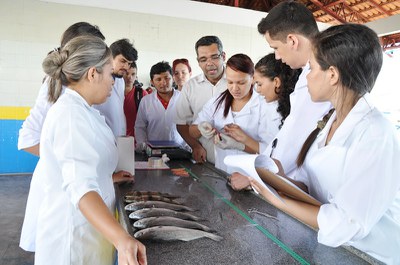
{"x":13,"y":194}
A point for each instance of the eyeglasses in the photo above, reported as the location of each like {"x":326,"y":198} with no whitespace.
{"x":214,"y":58}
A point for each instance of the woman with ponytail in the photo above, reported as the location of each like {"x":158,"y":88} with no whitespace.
{"x":350,"y":162}
{"x":237,"y":118}
{"x":75,"y":221}
{"x":275,"y":81}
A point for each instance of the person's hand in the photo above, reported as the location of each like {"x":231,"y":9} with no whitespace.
{"x":225,"y":142}
{"x":131,"y":251}
{"x":123,"y":176}
{"x":234,"y":131}
{"x":206,"y":129}
{"x":239,"y":182}
{"x":199,"y":154}
{"x":140,"y":147}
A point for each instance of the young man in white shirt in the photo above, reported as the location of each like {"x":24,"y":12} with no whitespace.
{"x":124,"y":54}
{"x":155,"y":118}
{"x":288,"y":28}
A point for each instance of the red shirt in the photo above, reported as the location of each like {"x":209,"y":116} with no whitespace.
{"x":130,"y":111}
{"x":163,"y":102}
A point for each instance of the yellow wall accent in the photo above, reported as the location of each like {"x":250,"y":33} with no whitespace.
{"x":14,"y":113}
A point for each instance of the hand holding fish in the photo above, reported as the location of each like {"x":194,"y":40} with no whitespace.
{"x":225,"y":142}
{"x":234,"y":131}
{"x":131,"y":251}
{"x":206,"y":129}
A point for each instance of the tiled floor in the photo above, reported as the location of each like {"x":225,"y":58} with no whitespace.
{"x":13,"y":194}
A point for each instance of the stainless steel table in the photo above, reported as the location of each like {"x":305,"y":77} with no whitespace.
{"x":254,"y":231}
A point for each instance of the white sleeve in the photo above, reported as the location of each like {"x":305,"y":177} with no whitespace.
{"x":74,"y":145}
{"x":184,"y":111}
{"x":207,"y":113}
{"x":142,"y":121}
{"x":29,"y":134}
{"x":268,"y":127}
{"x":371,"y":174}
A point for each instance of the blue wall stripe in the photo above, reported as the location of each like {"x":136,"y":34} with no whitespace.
{"x":11,"y":159}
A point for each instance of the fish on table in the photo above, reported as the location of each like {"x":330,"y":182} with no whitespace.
{"x":153,"y":212}
{"x":134,"y":206}
{"x":174,"y":233}
{"x":151,"y":193}
{"x":169,"y":221}
{"x":137,"y":198}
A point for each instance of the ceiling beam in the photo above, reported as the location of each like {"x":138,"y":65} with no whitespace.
{"x":379,"y":7}
{"x":328,"y":11}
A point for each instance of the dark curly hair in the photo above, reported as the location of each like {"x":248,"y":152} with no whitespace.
{"x":269,"y":67}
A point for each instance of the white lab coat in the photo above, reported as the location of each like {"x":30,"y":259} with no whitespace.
{"x":195,"y":93}
{"x":356,"y":177}
{"x":155,"y":123}
{"x":78,"y":155}
{"x":113,"y":108}
{"x":302,"y":120}
{"x":29,"y":135}
{"x":253,"y":118}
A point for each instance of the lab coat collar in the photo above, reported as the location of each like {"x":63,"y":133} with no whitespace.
{"x":253,"y":102}
{"x":77,"y":96}
{"x":363,"y":106}
{"x":202,"y":78}
{"x":80,"y":99}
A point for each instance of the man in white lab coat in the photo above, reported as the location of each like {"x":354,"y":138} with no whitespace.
{"x":155,"y":118}
{"x":124,"y":54}
{"x":198,"y":90}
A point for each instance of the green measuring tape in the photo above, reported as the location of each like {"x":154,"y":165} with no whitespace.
{"x":245,"y":216}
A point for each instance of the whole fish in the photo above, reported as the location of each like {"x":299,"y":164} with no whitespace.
{"x":151,"y":193}
{"x":173,"y":233}
{"x":134,"y":206}
{"x":170,"y":221}
{"x":154,"y":212}
{"x":131,"y":198}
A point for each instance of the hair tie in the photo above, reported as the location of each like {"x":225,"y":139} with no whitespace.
{"x":322,"y":123}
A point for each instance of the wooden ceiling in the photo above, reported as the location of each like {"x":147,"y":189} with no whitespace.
{"x":328,"y":11}
{"x":333,"y":12}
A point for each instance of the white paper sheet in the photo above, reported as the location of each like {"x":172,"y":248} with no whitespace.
{"x":126,"y":154}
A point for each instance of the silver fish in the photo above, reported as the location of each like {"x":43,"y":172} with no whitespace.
{"x":170,"y":221}
{"x":156,"y":204}
{"x":151,"y":193}
{"x":154,"y":212}
{"x":131,"y":198}
{"x":173,"y":233}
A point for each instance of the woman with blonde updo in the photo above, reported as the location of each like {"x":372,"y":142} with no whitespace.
{"x":78,"y":156}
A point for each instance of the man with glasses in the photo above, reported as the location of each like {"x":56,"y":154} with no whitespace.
{"x":124,"y":54}
{"x":198,"y":90}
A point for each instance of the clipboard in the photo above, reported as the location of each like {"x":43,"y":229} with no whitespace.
{"x":283,"y":185}
{"x":245,"y":164}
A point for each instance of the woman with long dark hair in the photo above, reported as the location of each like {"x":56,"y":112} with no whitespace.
{"x":275,"y":82}
{"x":237,"y":118}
